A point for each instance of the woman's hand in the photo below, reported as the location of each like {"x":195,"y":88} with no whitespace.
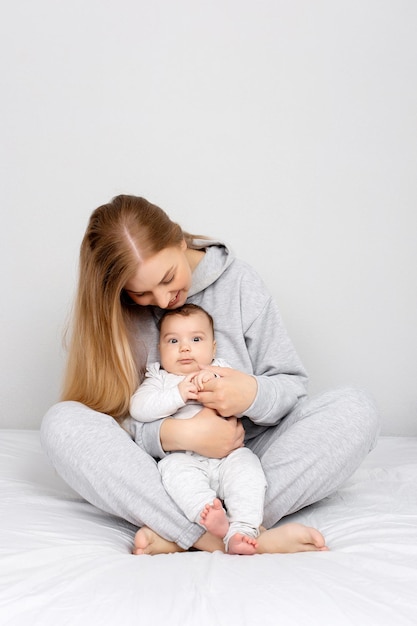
{"x":230,"y":393}
{"x":206,"y":433}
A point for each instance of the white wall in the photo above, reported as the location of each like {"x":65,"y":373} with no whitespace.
{"x":287,"y":127}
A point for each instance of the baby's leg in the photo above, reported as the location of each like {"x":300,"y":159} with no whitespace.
{"x":213,"y":518}
{"x":242,"y":486}
{"x":241,"y":544}
{"x":186,"y":479}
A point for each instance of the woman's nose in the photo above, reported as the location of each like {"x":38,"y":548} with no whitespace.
{"x":160,"y":302}
{"x":162,"y":299}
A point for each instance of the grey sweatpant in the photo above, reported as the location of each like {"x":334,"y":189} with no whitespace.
{"x":306,"y":457}
{"x":193,"y":481}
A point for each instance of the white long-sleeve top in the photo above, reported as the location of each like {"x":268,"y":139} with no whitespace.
{"x":159,"y":396}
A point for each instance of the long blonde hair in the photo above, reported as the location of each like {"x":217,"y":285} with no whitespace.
{"x":103,"y":367}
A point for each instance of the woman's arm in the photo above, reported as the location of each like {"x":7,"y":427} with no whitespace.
{"x":269,"y":378}
{"x":251,"y":335}
{"x":281,"y":377}
{"x":206,"y":433}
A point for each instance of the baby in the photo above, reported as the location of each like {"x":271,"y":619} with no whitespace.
{"x":200,"y":485}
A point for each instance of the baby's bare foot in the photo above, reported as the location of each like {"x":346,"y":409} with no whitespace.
{"x":242,"y":544}
{"x":213,"y":517}
{"x":149,"y":542}
{"x":291,"y":537}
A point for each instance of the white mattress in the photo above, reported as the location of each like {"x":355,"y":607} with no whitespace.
{"x":63,"y":562}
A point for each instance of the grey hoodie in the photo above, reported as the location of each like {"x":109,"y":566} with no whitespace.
{"x":250,"y":335}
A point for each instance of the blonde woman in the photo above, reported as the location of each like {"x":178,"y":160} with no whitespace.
{"x":135,"y":263}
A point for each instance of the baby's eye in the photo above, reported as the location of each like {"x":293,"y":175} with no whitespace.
{"x":173,"y":340}
{"x":196,"y":338}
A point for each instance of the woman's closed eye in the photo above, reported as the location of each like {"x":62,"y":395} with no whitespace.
{"x":168,"y":280}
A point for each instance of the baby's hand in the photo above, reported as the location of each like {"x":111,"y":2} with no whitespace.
{"x":202,"y":377}
{"x":188,"y":388}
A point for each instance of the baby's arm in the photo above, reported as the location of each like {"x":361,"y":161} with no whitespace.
{"x":153,"y":401}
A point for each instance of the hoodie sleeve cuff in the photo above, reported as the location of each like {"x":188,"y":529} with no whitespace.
{"x":272,"y":402}
{"x":149,"y":439}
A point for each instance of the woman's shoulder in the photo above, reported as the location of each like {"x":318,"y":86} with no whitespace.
{"x":245,"y":273}
{"x":222,"y":270}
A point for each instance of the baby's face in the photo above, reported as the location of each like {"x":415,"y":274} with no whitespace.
{"x":185,"y":343}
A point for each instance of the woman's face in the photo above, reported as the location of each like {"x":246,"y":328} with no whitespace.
{"x":162,"y":280}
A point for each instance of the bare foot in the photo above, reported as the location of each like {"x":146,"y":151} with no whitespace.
{"x":288,"y":538}
{"x":291,"y":537}
{"x":213,"y":517}
{"x":209,"y":543}
{"x":148,"y":542}
{"x":242,"y":544}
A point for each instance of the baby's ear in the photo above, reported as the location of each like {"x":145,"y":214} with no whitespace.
{"x":214,"y":349}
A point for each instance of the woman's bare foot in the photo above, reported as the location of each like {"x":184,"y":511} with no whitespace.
{"x":289,"y":538}
{"x":213,"y":517}
{"x":285,"y":539}
{"x":242,"y":544}
{"x":209,"y":543}
{"x":148,"y":542}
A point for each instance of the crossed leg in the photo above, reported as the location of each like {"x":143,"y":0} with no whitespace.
{"x":288,"y":538}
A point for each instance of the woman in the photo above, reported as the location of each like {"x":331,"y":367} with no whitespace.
{"x":134,"y":263}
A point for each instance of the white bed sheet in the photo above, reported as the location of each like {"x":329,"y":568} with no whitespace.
{"x":63,"y":562}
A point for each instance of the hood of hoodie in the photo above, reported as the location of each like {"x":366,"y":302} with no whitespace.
{"x":216,"y":260}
